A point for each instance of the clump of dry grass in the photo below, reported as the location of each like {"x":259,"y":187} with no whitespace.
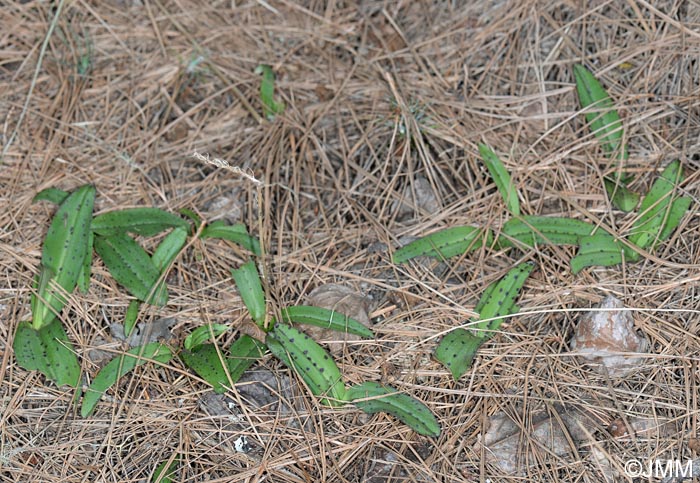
{"x":378,"y":96}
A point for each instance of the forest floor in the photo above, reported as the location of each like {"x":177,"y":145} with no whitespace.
{"x":385,"y":104}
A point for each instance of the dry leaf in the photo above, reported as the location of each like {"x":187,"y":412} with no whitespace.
{"x":513,"y":447}
{"x":602,"y":337}
{"x":418,"y":197}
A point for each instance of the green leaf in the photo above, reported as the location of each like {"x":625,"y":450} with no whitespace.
{"x":316,"y":367}
{"x":445,"y":243}
{"x":54,"y":195}
{"x":202,"y":334}
{"x":48,"y":351}
{"x":65,"y":249}
{"x":600,"y":112}
{"x":502,"y":179}
{"x":84,"y":276}
{"x":679,"y":207}
{"x":659,"y":213}
{"x":499,"y":299}
{"x":541,"y":230}
{"x":235,"y":233}
{"x":143,"y":221}
{"x":601,"y":250}
{"x":118,"y":367}
{"x":169,"y":248}
{"x":250,"y":288}
{"x":621,"y":197}
{"x":244,"y":352}
{"x":165,"y":472}
{"x":132,"y":314}
{"x":457,"y":350}
{"x":372,"y":397}
{"x":328,"y":319}
{"x":131,"y":266}
{"x":607,"y":127}
{"x":208,"y":364}
{"x":267,"y":92}
{"x":194,"y":217}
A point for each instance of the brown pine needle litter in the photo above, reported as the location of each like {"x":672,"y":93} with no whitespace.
{"x":385,"y":104}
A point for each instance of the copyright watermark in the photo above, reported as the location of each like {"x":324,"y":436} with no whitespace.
{"x":656,"y":468}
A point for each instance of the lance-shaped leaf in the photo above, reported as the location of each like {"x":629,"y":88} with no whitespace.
{"x":372,"y":398}
{"x":132,"y":267}
{"x":48,"y":351}
{"x":202,"y":334}
{"x":601,"y":250}
{"x":54,"y":195}
{"x":143,"y":221}
{"x":267,"y":92}
{"x":600,"y":112}
{"x":300,"y":352}
{"x":328,"y":319}
{"x":118,"y":367}
{"x":607,"y":127}
{"x":445,"y":243}
{"x":65,"y":249}
{"x":660,"y":213}
{"x":235,"y":233}
{"x":501,"y":177}
{"x":458,"y":348}
{"x":544,"y":230}
{"x":250,"y":288}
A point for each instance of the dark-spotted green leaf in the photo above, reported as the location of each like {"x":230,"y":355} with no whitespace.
{"x":660,"y":214}
{"x":267,"y":92}
{"x":550,"y":230}
{"x":600,"y":250}
{"x":457,"y":350}
{"x":244,"y":352}
{"x":48,"y":351}
{"x":65,"y":249}
{"x":328,"y":319}
{"x":499,"y":299}
{"x":131,"y":266}
{"x":250,"y":288}
{"x":202,"y":334}
{"x":445,"y":243}
{"x":316,"y":367}
{"x":208,"y":363}
{"x":117,"y":367}
{"x":600,"y":112}
{"x":54,"y":195}
{"x":501,"y":177}
{"x":607,"y":127}
{"x":84,"y":276}
{"x":235,"y":233}
{"x":372,"y":397}
{"x":165,"y":472}
{"x":143,"y":221}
